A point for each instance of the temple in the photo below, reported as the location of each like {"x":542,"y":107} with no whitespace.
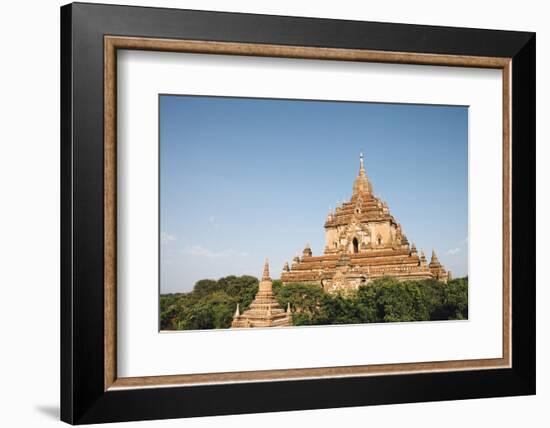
{"x":363,"y":241}
{"x":264,"y":311}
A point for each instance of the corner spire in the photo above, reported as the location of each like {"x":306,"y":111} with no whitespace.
{"x":434,"y":262}
{"x":423,"y":261}
{"x":286,"y":267}
{"x":307,"y":251}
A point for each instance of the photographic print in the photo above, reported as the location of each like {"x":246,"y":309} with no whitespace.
{"x":282,"y":212}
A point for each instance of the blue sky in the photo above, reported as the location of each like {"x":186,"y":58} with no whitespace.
{"x":243,"y":179}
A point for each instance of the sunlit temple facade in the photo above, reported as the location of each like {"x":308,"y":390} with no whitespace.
{"x":363,"y":241}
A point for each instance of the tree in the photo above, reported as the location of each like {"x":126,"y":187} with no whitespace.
{"x":456,"y":299}
{"x":302,"y":297}
{"x":342,"y":309}
{"x":204,"y":287}
{"x":211,"y":311}
{"x":211,"y":304}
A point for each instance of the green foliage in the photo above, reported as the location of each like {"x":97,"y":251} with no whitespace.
{"x":306,"y":301}
{"x":456,"y":299}
{"x":211,"y":304}
{"x":390,"y":300}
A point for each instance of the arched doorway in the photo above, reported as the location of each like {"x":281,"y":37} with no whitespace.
{"x":355,"y":246}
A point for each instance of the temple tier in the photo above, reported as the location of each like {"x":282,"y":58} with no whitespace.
{"x":363,"y":241}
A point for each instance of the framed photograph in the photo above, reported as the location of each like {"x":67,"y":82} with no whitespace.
{"x":266,"y":213}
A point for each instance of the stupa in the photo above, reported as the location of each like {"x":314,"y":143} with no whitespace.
{"x":363,"y":241}
{"x":264,"y":311}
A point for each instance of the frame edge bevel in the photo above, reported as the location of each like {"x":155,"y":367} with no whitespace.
{"x":66,"y":181}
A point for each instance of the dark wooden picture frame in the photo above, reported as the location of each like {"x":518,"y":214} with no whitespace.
{"x":90,"y":389}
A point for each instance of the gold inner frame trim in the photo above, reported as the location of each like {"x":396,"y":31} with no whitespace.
{"x":113,"y":43}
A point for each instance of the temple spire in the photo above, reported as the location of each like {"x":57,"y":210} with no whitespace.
{"x":264,"y":310}
{"x":286,"y":267}
{"x":265,"y":276}
{"x":307,"y":251}
{"x":361,"y":184}
{"x":423,"y":261}
{"x":434,"y":262}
